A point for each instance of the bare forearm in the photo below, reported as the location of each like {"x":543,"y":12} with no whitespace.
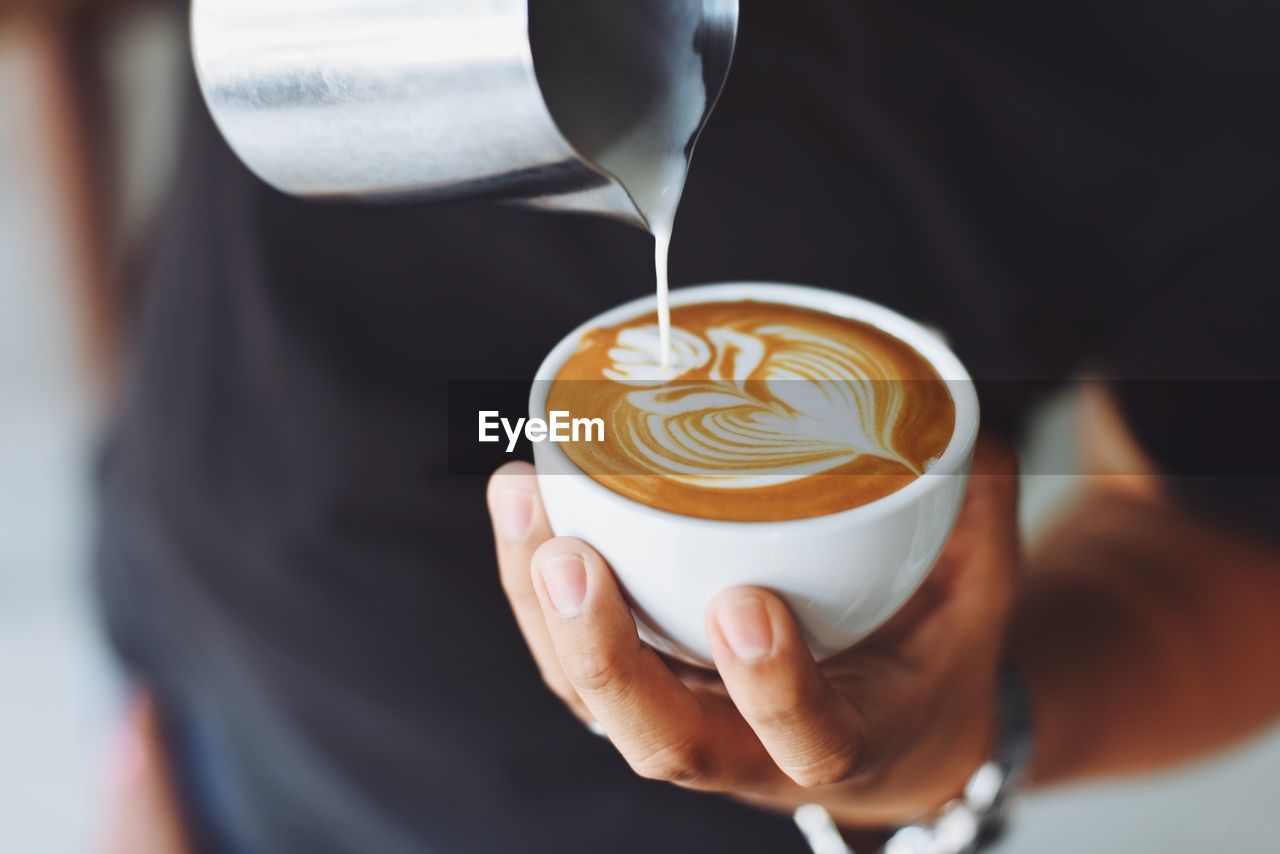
{"x":73,"y":136}
{"x":1147,"y":638}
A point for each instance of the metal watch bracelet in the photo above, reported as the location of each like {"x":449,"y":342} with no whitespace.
{"x":978,"y":818}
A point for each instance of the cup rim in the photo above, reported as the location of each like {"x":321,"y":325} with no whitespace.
{"x":928,"y":343}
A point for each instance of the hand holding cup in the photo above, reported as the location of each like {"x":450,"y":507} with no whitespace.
{"x":878,"y":734}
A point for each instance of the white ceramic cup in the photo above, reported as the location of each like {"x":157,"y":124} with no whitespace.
{"x":842,"y":574}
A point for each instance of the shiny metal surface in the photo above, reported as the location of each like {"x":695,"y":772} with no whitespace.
{"x":413,"y":98}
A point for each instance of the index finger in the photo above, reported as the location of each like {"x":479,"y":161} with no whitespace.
{"x":519,"y":527}
{"x":663,"y":730}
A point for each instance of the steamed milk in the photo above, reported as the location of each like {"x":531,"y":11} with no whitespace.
{"x":625,"y":83}
{"x":778,"y":412}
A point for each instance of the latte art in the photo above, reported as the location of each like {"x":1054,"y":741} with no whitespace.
{"x":762,"y":411}
{"x":764,"y":407}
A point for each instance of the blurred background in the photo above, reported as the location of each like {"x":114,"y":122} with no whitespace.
{"x":59,"y":696}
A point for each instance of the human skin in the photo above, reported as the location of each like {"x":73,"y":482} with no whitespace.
{"x":1146,"y":637}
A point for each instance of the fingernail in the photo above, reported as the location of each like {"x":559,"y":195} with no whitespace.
{"x":512,"y":511}
{"x":565,"y":577}
{"x":744,"y":622}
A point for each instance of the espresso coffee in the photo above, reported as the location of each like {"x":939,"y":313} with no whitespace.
{"x":759,"y":412}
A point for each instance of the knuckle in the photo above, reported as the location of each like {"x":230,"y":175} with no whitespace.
{"x":592,"y":671}
{"x":834,"y":767}
{"x":683,"y":763}
{"x":786,"y":708}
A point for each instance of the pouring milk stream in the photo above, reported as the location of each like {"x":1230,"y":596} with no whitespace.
{"x":634,"y":102}
{"x":591,"y":106}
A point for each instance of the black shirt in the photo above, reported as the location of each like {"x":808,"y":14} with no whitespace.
{"x":1060,"y":188}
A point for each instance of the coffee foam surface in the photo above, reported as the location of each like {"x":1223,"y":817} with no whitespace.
{"x":762,"y":412}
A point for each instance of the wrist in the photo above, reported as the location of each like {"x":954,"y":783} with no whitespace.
{"x":978,"y":816}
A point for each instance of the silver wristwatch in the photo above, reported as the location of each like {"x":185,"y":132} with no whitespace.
{"x":975,"y":820}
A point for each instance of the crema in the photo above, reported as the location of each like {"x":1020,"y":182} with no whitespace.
{"x":758,"y":412}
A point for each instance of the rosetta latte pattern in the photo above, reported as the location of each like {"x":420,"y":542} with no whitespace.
{"x":777,"y":403}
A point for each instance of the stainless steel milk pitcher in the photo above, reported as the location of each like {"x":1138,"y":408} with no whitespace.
{"x":512,"y":99}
